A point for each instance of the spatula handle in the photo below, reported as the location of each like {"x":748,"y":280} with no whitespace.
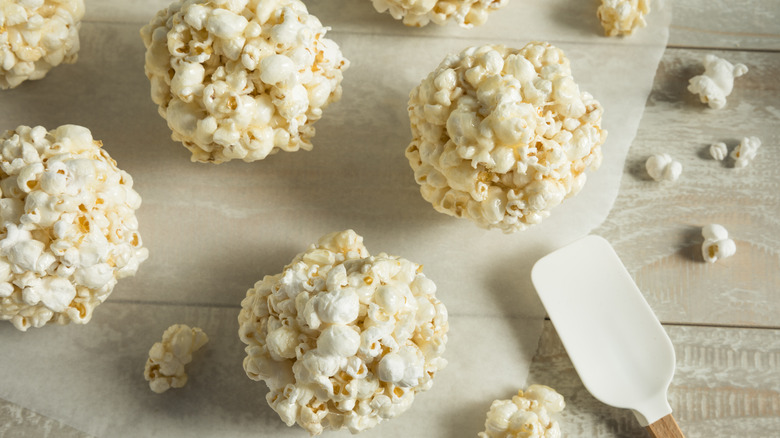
{"x":666,"y":427}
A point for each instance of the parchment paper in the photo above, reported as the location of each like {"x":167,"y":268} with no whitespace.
{"x":212,"y":231}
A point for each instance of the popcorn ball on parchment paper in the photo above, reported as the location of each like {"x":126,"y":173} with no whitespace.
{"x":68,"y":229}
{"x":241,"y":79}
{"x":526,"y":415}
{"x":165,"y":367}
{"x":466,"y":13}
{"x":501,"y":136}
{"x":36,"y":35}
{"x":622,"y":17}
{"x":341,"y":338}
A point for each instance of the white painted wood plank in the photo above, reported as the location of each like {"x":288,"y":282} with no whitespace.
{"x":725,"y":385}
{"x":656,"y":227}
{"x":728,"y":24}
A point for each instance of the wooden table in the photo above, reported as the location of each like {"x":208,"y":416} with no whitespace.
{"x":723,"y":318}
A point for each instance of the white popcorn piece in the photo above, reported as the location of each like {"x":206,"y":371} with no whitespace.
{"x":343,"y":339}
{"x":714,"y":232}
{"x":35,"y":36}
{"x":418,"y":13}
{"x":623,"y":17}
{"x":717,"y":244}
{"x":719,"y":151}
{"x":501,"y":136}
{"x":165,"y":368}
{"x":717,"y":81}
{"x":526,"y":415}
{"x":661,"y":167}
{"x":68,"y":229}
{"x":241,"y":79}
{"x":746,"y":151}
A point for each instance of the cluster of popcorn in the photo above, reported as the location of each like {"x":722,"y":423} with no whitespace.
{"x":343,"y":339}
{"x":743,"y":154}
{"x":717,"y":82}
{"x":466,"y":13}
{"x":241,"y":79}
{"x":68,"y":229}
{"x":527,"y":415}
{"x":501,"y":136}
{"x":717,"y":244}
{"x":623,"y":17}
{"x":662,"y":167}
{"x":165,"y":367}
{"x":36,"y":35}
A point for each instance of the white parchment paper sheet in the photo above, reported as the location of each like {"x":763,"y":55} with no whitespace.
{"x":212,"y":231}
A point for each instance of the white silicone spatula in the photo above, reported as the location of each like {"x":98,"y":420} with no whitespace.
{"x":617,"y":345}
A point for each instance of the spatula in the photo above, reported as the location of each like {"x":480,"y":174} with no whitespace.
{"x":617,"y":345}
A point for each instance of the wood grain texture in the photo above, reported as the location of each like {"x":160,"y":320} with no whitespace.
{"x":666,"y":427}
{"x":656,"y":227}
{"x":728,"y":24}
{"x":725,"y":385}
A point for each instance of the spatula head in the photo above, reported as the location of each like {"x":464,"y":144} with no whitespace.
{"x":617,"y":345}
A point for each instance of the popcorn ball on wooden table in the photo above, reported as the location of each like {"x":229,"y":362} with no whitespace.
{"x":241,"y":79}
{"x":68,"y":229}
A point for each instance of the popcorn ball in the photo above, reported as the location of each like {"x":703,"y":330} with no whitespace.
{"x":68,"y":229}
{"x":241,"y":79}
{"x":527,"y":415}
{"x":501,"y":136}
{"x":36,"y":35}
{"x":341,"y":338}
{"x":165,"y":367}
{"x":466,"y":13}
{"x":623,"y":17}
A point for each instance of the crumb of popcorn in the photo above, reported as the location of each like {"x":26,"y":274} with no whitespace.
{"x":623,"y":17}
{"x":746,"y":151}
{"x":165,"y":368}
{"x":526,"y":415}
{"x":717,"y":244}
{"x":662,"y":167}
{"x":717,"y":81}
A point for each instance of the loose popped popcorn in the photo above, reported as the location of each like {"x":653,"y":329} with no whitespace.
{"x":418,"y":13}
{"x":717,"y":244}
{"x":241,"y":79}
{"x":36,"y":35}
{"x":527,"y":415}
{"x":719,"y":151}
{"x":341,"y":338}
{"x":165,"y":367}
{"x":68,"y":229}
{"x":717,"y":81}
{"x":746,"y":151}
{"x":501,"y":136}
{"x":622,"y":17}
{"x":661,"y":167}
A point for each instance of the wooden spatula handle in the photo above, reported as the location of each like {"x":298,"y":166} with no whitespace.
{"x":666,"y":427}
